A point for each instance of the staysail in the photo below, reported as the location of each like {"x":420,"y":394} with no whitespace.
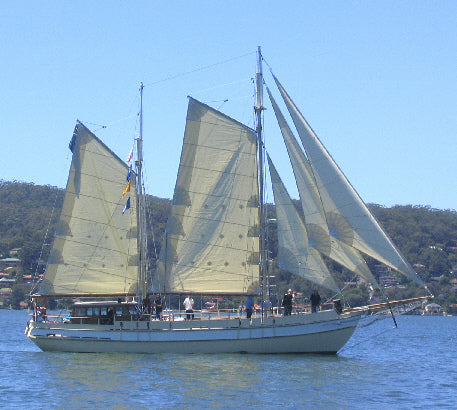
{"x":294,"y":253}
{"x":211,"y":242}
{"x":348,"y":218}
{"x":314,"y":215}
{"x":95,"y":248}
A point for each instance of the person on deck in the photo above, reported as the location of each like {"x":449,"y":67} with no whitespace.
{"x":158,"y":306}
{"x":287,"y":303}
{"x":189,"y":306}
{"x":248,"y":308}
{"x":110,"y":316}
{"x":147,"y":306}
{"x":315,"y":299}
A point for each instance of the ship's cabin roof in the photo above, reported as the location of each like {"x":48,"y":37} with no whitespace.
{"x":100,"y":303}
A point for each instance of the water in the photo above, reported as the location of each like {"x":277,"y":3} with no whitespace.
{"x":413,"y":366}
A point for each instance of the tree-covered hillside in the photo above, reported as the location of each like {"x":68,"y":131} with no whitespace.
{"x":427,"y":237}
{"x":27,"y":211}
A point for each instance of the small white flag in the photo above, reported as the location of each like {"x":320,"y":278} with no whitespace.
{"x":130,"y":156}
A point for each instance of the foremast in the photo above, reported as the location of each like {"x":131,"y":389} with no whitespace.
{"x":141,"y":212}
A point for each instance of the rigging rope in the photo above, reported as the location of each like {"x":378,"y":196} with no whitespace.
{"x":101,"y":127}
{"x":199,"y":69}
{"x":97,"y":125}
{"x":34,"y":287}
{"x":347,"y":346}
{"x":220,"y":86}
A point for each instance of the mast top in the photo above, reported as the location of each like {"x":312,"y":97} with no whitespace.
{"x":259,"y":83}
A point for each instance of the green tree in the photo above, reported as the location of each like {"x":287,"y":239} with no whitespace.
{"x":18,"y":295}
{"x":356,"y":297}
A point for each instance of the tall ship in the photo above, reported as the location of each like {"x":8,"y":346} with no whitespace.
{"x":215,"y":244}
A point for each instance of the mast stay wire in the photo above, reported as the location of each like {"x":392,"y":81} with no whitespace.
{"x":173,"y":77}
{"x":207,"y":67}
{"x":35,"y":286}
{"x":347,"y":346}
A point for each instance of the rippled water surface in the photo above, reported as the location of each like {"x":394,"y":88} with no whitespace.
{"x":412,"y":366}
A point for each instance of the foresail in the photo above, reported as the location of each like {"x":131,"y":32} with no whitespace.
{"x":348,"y":217}
{"x":95,"y":247}
{"x":314,"y":215}
{"x":294,"y":254}
{"x":212,"y":234}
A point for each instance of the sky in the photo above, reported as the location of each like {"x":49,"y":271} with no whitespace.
{"x":377,"y":81}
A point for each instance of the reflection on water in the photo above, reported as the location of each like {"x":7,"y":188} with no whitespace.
{"x":101,"y":378}
{"x":381,"y":367}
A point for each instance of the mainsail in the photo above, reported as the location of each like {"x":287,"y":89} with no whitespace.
{"x":294,"y":254}
{"x":314,"y":215}
{"x":95,"y":247}
{"x":211,"y":242}
{"x":348,"y":218}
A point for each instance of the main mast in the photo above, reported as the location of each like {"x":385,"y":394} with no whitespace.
{"x":142,"y":251}
{"x":260,"y":152}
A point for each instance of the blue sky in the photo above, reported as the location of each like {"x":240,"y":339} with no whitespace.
{"x":376,"y":80}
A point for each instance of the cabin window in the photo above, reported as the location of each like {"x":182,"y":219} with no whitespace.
{"x":80,"y":312}
{"x":104,"y":310}
{"x":119,"y":310}
{"x":93,"y":311}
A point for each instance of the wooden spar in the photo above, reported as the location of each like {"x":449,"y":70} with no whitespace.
{"x":379,"y":306}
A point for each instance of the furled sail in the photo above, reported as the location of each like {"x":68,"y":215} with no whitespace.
{"x":95,"y":247}
{"x":294,"y":254}
{"x":348,"y":218}
{"x":212,"y":235}
{"x":316,"y":224}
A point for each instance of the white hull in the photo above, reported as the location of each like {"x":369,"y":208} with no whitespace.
{"x":323,"y":332}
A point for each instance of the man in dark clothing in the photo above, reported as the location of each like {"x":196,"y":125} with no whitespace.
{"x":249,"y":306}
{"x":158,"y":306}
{"x":110,"y":316}
{"x":315,"y":301}
{"x":147,"y":307}
{"x":287,"y":303}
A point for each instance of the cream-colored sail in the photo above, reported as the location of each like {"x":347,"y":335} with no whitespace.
{"x":95,"y":247}
{"x":294,"y":254}
{"x":212,"y":234}
{"x":316,"y":224}
{"x":347,"y":216}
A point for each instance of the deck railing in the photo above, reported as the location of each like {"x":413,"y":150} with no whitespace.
{"x":171,"y":315}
